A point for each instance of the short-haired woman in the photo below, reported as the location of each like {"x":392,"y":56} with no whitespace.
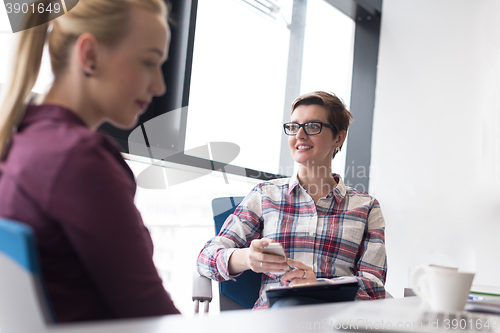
{"x":327,"y":229}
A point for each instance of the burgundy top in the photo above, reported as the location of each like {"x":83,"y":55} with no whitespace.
{"x":71,"y":185}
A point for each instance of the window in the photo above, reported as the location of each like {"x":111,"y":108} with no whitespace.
{"x":238,"y":80}
{"x":240,"y":73}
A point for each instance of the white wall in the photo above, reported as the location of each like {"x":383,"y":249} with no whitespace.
{"x":436,"y":136}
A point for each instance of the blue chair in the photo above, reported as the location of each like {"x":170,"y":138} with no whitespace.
{"x":24,"y":305}
{"x":234,"y":295}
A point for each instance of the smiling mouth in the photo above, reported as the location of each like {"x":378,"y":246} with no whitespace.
{"x":302,"y":147}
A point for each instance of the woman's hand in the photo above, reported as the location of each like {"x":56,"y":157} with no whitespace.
{"x":302,"y":274}
{"x":251,"y":258}
{"x":262,"y":262}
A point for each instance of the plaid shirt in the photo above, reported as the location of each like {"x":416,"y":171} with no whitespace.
{"x":340,"y":235}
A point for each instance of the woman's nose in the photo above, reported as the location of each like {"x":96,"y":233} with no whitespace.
{"x":158,"y":86}
{"x":301,"y":133}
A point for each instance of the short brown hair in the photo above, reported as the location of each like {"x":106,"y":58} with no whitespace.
{"x":338,"y":115}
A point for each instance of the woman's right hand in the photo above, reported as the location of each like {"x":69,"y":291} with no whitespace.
{"x":262,"y":262}
{"x":252,"y":258}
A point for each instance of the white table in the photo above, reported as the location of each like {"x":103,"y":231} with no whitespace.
{"x":317,"y":318}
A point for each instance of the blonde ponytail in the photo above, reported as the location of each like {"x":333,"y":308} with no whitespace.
{"x":105,"y":19}
{"x":25,"y":69}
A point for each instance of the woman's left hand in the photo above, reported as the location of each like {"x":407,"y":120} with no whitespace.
{"x":302,"y":274}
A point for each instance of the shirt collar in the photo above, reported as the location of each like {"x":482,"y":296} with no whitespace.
{"x":294,"y":182}
{"x":35,"y":113}
{"x":339,"y":191}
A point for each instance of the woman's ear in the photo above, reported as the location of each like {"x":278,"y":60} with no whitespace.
{"x":339,"y":140}
{"x":87,"y":53}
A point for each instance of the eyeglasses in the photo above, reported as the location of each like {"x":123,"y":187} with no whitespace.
{"x":310,"y":128}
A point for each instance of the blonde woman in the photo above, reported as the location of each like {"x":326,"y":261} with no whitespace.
{"x":69,"y":183}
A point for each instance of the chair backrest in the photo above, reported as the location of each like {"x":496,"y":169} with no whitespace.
{"x":245,"y":290}
{"x":24,"y":306}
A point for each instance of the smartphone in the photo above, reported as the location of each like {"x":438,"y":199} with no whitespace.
{"x":274,"y":248}
{"x":277,"y":250}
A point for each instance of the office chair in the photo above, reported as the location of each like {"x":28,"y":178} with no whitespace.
{"x":234,"y":295}
{"x":24,"y":305}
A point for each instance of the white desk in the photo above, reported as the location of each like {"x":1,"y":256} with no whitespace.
{"x":317,"y":318}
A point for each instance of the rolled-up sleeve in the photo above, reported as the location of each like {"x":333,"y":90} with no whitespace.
{"x":371,"y":266}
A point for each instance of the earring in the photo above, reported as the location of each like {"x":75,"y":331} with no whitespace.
{"x":337,"y":150}
{"x":86,"y":73}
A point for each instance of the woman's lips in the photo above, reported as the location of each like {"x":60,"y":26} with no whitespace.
{"x":303,"y":147}
{"x":143,"y":104}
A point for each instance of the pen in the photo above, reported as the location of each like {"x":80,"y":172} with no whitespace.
{"x":476,"y":298}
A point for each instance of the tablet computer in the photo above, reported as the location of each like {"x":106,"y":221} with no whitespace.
{"x":322,"y":291}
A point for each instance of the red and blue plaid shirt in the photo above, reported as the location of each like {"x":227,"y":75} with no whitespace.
{"x":341,"y":235}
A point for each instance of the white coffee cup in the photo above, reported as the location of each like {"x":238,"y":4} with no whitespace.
{"x":444,"y":288}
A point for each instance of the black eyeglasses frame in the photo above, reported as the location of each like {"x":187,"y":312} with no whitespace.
{"x":309,"y":122}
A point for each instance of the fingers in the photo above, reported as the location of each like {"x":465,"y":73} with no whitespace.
{"x":301,"y":274}
{"x":258,"y":243}
{"x":263,"y":263}
{"x":298,"y":264}
{"x":297,"y":274}
{"x":271,"y":267}
{"x":306,"y":277}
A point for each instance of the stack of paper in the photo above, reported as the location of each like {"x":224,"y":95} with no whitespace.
{"x":484,"y":299}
